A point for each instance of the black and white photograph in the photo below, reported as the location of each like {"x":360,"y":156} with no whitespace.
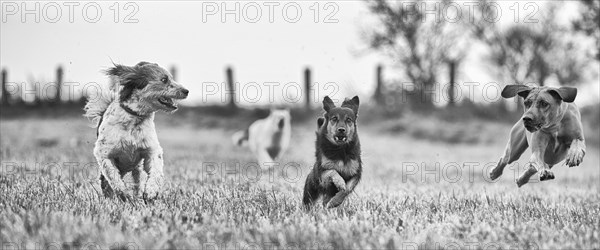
{"x":308,"y":124}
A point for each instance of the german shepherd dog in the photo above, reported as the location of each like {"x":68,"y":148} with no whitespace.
{"x":338,"y":168}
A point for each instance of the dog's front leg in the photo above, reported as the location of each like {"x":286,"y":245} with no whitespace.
{"x":139,"y":179}
{"x":539,"y":142}
{"x":517,"y":144}
{"x":576,"y":153}
{"x":342,"y":194}
{"x":153,"y":166}
{"x":113,"y":179}
{"x":332,"y":176}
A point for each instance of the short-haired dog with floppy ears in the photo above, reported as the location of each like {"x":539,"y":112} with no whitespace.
{"x":338,"y":168}
{"x":127,"y":140}
{"x":551,"y":126}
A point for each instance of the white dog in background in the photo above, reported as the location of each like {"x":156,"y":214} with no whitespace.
{"x":267,"y":138}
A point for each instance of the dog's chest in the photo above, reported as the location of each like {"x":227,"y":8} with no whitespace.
{"x":346,"y":170}
{"x":126,"y":141}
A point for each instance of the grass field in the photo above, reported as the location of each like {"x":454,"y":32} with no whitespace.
{"x":415,"y":193}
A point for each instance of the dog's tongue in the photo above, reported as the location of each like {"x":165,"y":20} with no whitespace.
{"x":168,"y":102}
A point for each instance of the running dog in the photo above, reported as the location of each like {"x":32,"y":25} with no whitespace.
{"x":267,"y":138}
{"x":551,"y":125}
{"x":127,"y":140}
{"x":338,"y":168}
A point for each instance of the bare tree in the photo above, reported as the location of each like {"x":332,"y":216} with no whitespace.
{"x":532,"y":52}
{"x":420,"y":46}
{"x":589,"y":22}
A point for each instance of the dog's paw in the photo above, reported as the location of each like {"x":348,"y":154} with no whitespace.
{"x":340,"y":184}
{"x":149,"y":195}
{"x":123,"y":196}
{"x":495,"y":173}
{"x":574,"y":157}
{"x":546,"y":175}
{"x":335,"y":201}
{"x":524,"y":178}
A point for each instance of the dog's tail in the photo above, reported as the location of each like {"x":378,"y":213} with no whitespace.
{"x":240,"y":137}
{"x":98,"y":102}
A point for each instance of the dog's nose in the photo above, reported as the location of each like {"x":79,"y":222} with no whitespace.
{"x":341,"y":130}
{"x":527,"y":119}
{"x":185,"y":92}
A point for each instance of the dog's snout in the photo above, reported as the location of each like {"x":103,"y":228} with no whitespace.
{"x":185,"y":92}
{"x":341,"y":130}
{"x":527,"y":119}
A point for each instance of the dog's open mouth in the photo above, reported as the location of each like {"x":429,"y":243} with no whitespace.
{"x":170,"y":103}
{"x":340,"y":138}
{"x":532,"y":127}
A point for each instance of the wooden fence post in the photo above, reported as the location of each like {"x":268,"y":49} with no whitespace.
{"x":5,"y":94}
{"x":307,"y":82}
{"x":231,"y":85}
{"x":451,"y":97}
{"x":174,"y":72}
{"x":378,"y":95}
{"x":59,"y":82}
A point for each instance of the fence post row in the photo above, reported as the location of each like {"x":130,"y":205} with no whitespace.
{"x":5,"y":95}
{"x":307,"y":81}
{"x":229,"y":73}
{"x":59,"y":81}
{"x":378,"y":95}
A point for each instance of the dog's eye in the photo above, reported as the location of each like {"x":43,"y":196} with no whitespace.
{"x":348,"y":120}
{"x":164,"y":79}
{"x":527,"y":104}
{"x":543,"y":104}
{"x":334,"y":118}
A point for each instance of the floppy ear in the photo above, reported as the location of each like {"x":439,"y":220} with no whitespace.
{"x":328,"y":104}
{"x":567,"y":94}
{"x":142,"y":63}
{"x":119,"y":70}
{"x":513,"y":90}
{"x":130,"y":78}
{"x":320,"y":122}
{"x":352,"y":104}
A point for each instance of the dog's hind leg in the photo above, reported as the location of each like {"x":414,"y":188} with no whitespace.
{"x":342,"y":194}
{"x":525,"y":176}
{"x":264,"y":158}
{"x":153,"y":166}
{"x":517,"y":144}
{"x":311,"y":191}
{"x":330,"y":192}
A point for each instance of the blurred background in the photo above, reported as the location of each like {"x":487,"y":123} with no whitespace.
{"x":442,"y":60}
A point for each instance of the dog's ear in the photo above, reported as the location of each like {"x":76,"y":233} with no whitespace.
{"x":130,"y":78}
{"x":320,"y":122}
{"x":352,"y":104}
{"x":567,"y":94}
{"x":328,"y":104}
{"x":119,"y":70}
{"x":513,"y":90}
{"x":142,"y":63}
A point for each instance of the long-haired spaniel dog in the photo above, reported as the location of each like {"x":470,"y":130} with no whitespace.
{"x":124,"y":116}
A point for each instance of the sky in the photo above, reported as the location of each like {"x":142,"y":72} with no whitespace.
{"x":268,"y":52}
